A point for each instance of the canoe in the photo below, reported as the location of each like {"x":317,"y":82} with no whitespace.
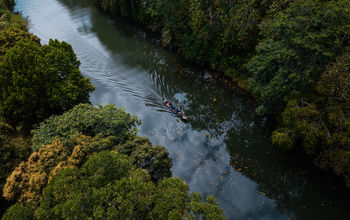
{"x":173,"y":108}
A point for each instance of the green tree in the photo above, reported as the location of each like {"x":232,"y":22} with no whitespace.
{"x":62,"y":141}
{"x":18,"y":211}
{"x":39,"y":81}
{"x":108,"y":186}
{"x":320,"y":122}
{"x":85,"y":119}
{"x":299,"y":42}
{"x":154,"y":159}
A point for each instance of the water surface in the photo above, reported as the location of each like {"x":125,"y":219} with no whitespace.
{"x":223,"y":149}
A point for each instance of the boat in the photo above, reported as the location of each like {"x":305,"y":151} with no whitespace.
{"x":173,"y":109}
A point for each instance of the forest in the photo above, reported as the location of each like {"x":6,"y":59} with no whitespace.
{"x":64,"y":158}
{"x":292,"y":55}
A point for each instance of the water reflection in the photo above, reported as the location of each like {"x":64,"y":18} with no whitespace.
{"x":223,"y":149}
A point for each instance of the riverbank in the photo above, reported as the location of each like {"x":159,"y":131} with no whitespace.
{"x":198,"y":37}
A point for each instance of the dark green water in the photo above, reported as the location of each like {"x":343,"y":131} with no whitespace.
{"x":223,"y":149}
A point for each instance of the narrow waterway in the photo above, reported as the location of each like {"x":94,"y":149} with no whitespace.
{"x":224,"y":147}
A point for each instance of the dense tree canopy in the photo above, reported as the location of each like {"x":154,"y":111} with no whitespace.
{"x":10,"y":36}
{"x":68,"y":140}
{"x":321,"y":120}
{"x":108,"y":186}
{"x":153,"y":159}
{"x":39,"y":81}
{"x":13,"y":150}
{"x":299,"y":42}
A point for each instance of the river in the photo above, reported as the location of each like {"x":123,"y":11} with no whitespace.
{"x":223,"y":149}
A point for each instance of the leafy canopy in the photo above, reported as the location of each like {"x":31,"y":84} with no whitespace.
{"x":108,"y":186}
{"x":85,"y":119}
{"x":320,"y":122}
{"x":10,"y":36}
{"x":13,"y":150}
{"x":39,"y":81}
{"x":64,"y":143}
{"x":299,"y":42}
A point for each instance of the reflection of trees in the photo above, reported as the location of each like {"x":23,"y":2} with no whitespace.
{"x":213,"y":106}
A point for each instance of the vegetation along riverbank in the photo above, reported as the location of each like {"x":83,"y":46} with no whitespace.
{"x":64,"y":158}
{"x":293,"y":55}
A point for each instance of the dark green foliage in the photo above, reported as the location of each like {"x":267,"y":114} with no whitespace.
{"x":320,"y":122}
{"x":9,"y":4}
{"x":39,"y":81}
{"x":6,"y":130}
{"x":210,"y":209}
{"x":299,"y":42}
{"x":170,"y":200}
{"x":154,"y":159}
{"x":20,"y":212}
{"x":107,"y":186}
{"x":85,"y":119}
{"x":13,"y":150}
